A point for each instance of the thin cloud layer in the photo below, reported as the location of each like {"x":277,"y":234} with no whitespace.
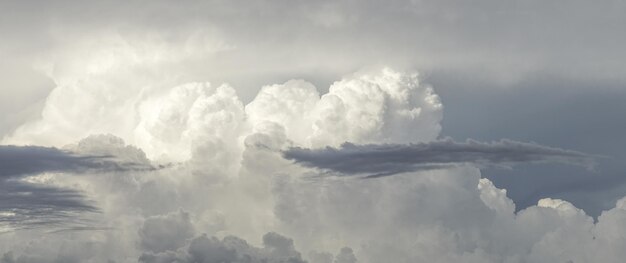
{"x":388,"y":159}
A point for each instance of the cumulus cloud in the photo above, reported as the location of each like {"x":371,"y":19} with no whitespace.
{"x":383,"y":105}
{"x":140,"y":71}
{"x":388,"y":159}
{"x":231,"y":184}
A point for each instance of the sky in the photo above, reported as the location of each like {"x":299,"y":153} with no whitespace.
{"x":312,"y":131}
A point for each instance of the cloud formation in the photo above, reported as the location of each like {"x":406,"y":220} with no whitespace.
{"x":28,"y":199}
{"x":18,"y":161}
{"x":28,"y":205}
{"x":24,"y":160}
{"x":140,"y":70}
{"x":388,"y":159}
{"x":231,"y":184}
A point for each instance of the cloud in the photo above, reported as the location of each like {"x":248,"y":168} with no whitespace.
{"x":227,"y":152}
{"x":140,"y":70}
{"x":25,"y":160}
{"x":19,"y":161}
{"x":28,"y":199}
{"x":231,"y":249}
{"x":388,"y":159}
{"x":346,"y":255}
{"x":27,"y":205}
{"x":231,"y":184}
{"x":329,"y":38}
{"x":167,"y":232}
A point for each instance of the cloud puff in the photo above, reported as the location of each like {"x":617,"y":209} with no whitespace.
{"x":387,"y":159}
{"x":383,"y":105}
{"x":190,"y":119}
{"x":289,"y":104}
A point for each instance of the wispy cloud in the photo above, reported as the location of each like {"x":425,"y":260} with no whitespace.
{"x":387,"y":159}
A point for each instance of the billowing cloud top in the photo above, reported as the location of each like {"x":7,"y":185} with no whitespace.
{"x":230,"y":196}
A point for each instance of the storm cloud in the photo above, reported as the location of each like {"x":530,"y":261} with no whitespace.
{"x":376,"y":160}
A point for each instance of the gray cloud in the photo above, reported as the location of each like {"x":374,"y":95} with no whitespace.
{"x":166,"y":232}
{"x":231,"y":249}
{"x":388,"y":159}
{"x":25,"y":204}
{"x":27,"y":160}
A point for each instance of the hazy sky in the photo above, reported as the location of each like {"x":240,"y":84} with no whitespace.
{"x":312,"y":131}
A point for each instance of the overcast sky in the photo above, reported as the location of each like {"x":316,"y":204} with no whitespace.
{"x":239,"y":131}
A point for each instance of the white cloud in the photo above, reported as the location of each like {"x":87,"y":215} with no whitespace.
{"x":289,"y":105}
{"x":384,"y":107}
{"x":230,"y":179}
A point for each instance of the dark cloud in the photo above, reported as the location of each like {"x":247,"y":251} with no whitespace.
{"x":26,"y":204}
{"x":388,"y":159}
{"x":28,"y":160}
